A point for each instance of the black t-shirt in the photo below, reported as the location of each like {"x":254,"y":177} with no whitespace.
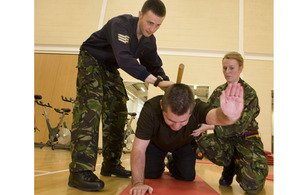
{"x":151,"y":125}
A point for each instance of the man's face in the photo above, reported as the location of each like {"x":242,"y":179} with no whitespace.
{"x":149,"y":23}
{"x":176,"y":122}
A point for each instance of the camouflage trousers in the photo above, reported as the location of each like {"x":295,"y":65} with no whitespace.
{"x":99,"y":93}
{"x":250,"y":158}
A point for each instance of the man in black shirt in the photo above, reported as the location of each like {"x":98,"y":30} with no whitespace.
{"x":100,"y":90}
{"x":168,"y":123}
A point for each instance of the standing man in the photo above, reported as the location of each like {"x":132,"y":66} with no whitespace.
{"x":100,"y":90}
{"x":167,"y":124}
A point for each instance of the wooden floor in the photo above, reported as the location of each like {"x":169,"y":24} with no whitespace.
{"x":52,"y":172}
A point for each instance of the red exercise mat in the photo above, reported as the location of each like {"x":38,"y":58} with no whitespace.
{"x":204,"y":162}
{"x":267,"y":152}
{"x":169,"y":185}
{"x":270,"y":177}
{"x":270,"y":157}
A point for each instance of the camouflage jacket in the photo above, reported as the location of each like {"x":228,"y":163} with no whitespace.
{"x":247,"y":121}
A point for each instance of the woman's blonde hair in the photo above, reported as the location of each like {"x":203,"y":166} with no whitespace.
{"x":235,"y":55}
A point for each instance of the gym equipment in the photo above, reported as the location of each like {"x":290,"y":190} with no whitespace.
{"x":65,"y":134}
{"x":180,"y":73}
{"x":129,"y":133}
{"x":71,"y":100}
{"x":62,"y":136}
{"x":36,"y":97}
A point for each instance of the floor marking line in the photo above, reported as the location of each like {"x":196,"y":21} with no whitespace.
{"x":41,"y":171}
{"x":54,"y":172}
{"x":51,"y":172}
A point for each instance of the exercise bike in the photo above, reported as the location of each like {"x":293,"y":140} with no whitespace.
{"x":36,"y":97}
{"x":129,"y":134}
{"x":71,"y":100}
{"x":57,"y":133}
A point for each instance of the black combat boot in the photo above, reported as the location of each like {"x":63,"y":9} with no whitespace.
{"x":86,"y":181}
{"x":227,"y":174}
{"x":170,"y":162}
{"x":116,"y":170}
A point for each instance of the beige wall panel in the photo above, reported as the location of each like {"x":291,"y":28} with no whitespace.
{"x":211,"y":25}
{"x":258,"y":26}
{"x":55,"y":76}
{"x":65,"y":21}
{"x":259,"y":74}
{"x":117,"y":7}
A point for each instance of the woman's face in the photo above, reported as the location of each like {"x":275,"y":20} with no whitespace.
{"x":231,"y":70}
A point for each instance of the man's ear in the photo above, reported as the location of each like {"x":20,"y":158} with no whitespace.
{"x":140,"y":14}
{"x":161,"y":107}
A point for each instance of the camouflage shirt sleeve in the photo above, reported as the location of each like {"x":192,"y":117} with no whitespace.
{"x":247,"y":122}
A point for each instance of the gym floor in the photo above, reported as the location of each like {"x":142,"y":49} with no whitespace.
{"x":51,"y":174}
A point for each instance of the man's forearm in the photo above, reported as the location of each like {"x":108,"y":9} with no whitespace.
{"x":137,"y":167}
{"x":217,"y":117}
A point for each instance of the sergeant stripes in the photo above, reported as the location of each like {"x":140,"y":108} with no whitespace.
{"x":123,"y":38}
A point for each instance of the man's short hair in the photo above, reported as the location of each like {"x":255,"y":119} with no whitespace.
{"x":156,"y":6}
{"x":180,"y":98}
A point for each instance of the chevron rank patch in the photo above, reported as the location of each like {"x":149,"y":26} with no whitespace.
{"x":123,"y":38}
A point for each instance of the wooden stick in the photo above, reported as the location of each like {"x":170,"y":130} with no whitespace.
{"x":180,"y":73}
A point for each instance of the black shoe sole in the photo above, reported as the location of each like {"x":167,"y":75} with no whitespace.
{"x":222,"y":184}
{"x":84,"y":189}
{"x":110,"y":174}
{"x":225,"y":183}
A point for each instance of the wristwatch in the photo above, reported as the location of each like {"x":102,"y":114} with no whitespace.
{"x":159,"y":79}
